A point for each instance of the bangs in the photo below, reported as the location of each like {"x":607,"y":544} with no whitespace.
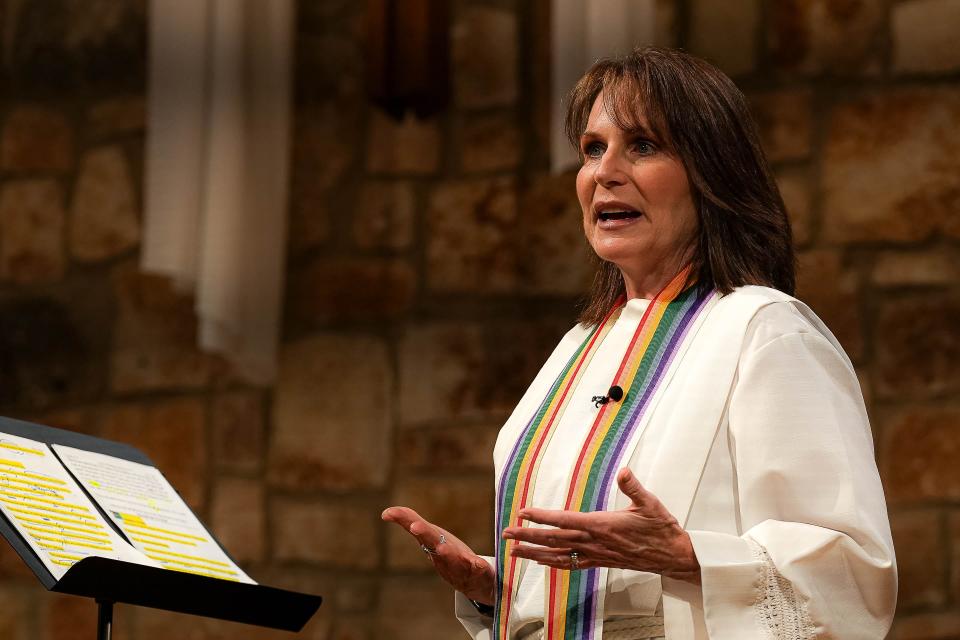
{"x":631,"y":98}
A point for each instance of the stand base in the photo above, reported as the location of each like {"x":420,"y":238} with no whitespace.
{"x":104,"y":619}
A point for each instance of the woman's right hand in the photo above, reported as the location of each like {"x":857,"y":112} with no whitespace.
{"x":456,"y":563}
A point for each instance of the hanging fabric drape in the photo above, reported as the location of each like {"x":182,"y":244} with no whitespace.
{"x":217,"y":166}
{"x":582,"y":32}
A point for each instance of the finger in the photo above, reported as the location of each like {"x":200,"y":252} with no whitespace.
{"x":630,"y":486}
{"x":564,"y":564}
{"x":403,"y":516}
{"x":547,"y":537}
{"x":559,"y":519}
{"x":426,"y":534}
{"x":541,"y":554}
{"x":429,"y":536}
{"x":556,"y":558}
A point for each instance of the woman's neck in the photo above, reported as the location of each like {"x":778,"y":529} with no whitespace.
{"x":648,"y":284}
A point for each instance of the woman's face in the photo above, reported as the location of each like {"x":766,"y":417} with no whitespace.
{"x":638,"y":212}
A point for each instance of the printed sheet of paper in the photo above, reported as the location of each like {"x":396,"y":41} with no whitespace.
{"x":51,"y":512}
{"x":150,"y":513}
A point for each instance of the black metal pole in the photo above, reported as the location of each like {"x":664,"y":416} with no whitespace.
{"x":104,"y":619}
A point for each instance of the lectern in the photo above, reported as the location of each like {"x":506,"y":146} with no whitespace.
{"x":108,"y":581}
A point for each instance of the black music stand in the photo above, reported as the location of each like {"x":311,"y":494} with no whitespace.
{"x":110,"y":581}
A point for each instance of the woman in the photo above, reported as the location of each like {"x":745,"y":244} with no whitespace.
{"x":694,"y":459}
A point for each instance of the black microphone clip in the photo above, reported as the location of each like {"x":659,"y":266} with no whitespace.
{"x":615,"y":393}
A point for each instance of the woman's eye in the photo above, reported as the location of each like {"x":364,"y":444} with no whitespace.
{"x":593,"y":150}
{"x":644,"y":147}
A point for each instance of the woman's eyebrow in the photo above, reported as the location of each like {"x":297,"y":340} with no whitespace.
{"x":642,"y":130}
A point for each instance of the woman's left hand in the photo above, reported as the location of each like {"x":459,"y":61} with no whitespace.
{"x":642,"y":537}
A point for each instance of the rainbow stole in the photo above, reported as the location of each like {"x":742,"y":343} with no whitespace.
{"x":573,"y":600}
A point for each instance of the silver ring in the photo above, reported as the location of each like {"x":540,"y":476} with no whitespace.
{"x":574,"y":561}
{"x":433,"y":552}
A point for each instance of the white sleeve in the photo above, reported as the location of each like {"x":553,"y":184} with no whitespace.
{"x":479,"y":626}
{"x":816,"y":558}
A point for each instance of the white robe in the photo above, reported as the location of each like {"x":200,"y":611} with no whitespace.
{"x":759,"y":444}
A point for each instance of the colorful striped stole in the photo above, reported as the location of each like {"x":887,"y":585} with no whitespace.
{"x":573,"y":600}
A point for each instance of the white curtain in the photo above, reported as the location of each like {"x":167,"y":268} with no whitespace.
{"x":217,"y":164}
{"x":583,"y":31}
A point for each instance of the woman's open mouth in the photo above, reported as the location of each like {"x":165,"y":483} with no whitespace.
{"x":617,"y":215}
{"x":617,"y":219}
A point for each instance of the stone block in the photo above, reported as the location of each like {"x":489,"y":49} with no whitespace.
{"x":925,"y":36}
{"x":237,"y":421}
{"x":76,"y":420}
{"x":331,"y":414}
{"x":328,"y":65}
{"x":920,"y":551}
{"x":725,"y":33}
{"x":31,"y":231}
{"x":516,"y":351}
{"x":172,"y":433}
{"x":918,"y":347}
{"x":408,"y":147}
{"x":331,"y":535}
{"x":666,"y":30}
{"x":830,"y":287}
{"x":36,"y":139}
{"x":453,"y":448}
{"x":154,"y":339}
{"x":926,"y":626}
{"x":785,"y":121}
{"x":452,"y":372}
{"x":349,"y":290}
{"x":302,"y":578}
{"x":951,"y":226}
{"x":321,"y":157}
{"x":51,"y":351}
{"x":796,"y":189}
{"x":932,"y":267}
{"x":890,"y":167}
{"x":355,"y":596}
{"x":471,"y":242}
{"x":71,"y":618}
{"x":384,"y":216}
{"x":353,"y":627}
{"x":484,"y":40}
{"x":60,"y":46}
{"x":13,"y":569}
{"x":429,"y":597}
{"x":438,"y":366}
{"x":490,"y":142}
{"x":117,"y":116}
{"x":154,"y":623}
{"x":237,"y":518}
{"x":919,"y":455}
{"x":461,"y":505}
{"x":16,"y":613}
{"x":105,"y":218}
{"x":836,"y":37}
{"x":954,"y":541}
{"x":553,"y":255}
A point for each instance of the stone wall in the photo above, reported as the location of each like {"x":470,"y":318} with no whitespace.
{"x":432,"y":265}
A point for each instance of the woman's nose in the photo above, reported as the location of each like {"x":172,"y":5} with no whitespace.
{"x":611,"y":170}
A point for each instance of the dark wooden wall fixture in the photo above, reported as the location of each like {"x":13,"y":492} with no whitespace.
{"x":408,"y":55}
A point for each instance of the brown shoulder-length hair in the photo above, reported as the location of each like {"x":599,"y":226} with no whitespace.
{"x":699,"y":115}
